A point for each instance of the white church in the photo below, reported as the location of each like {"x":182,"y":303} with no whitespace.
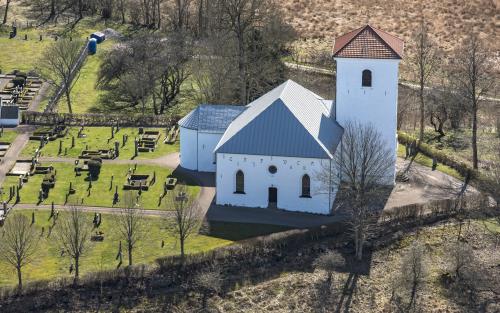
{"x":268,"y":153}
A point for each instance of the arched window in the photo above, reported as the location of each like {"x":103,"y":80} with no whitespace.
{"x":240,"y":182}
{"x":306,"y":186}
{"x":367,"y":78}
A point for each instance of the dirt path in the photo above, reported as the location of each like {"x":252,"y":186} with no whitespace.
{"x":35,"y":104}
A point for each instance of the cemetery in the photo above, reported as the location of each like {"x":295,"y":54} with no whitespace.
{"x":67,"y":183}
{"x":19,"y":89}
{"x":105,"y":142}
{"x":50,"y":262}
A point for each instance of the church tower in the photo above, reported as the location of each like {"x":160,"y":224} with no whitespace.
{"x":367,"y":62}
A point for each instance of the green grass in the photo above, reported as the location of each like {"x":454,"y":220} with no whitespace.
{"x":492,"y":225}
{"x":48,"y":263}
{"x":100,"y":194}
{"x":84,"y":94}
{"x":9,"y":135}
{"x":97,"y":138}
{"x":426,"y":161}
{"x":20,"y":54}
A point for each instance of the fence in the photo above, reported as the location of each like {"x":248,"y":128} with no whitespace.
{"x":76,"y":67}
{"x":97,"y":119}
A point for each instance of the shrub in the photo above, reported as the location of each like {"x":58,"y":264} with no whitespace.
{"x":440,"y":156}
{"x":19,"y":81}
{"x":94,"y":165}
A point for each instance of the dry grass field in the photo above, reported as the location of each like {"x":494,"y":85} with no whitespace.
{"x":320,"y":21}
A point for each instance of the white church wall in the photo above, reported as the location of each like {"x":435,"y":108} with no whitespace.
{"x":206,"y":145}
{"x":258,"y":179}
{"x":376,"y":104}
{"x":189,"y":148}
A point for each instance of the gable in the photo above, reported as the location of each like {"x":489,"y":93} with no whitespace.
{"x":368,"y":42}
{"x":277,"y":132}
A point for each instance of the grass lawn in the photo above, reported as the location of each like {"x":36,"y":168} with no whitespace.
{"x":426,"y":161}
{"x":97,"y":138}
{"x":8,"y":135}
{"x":49,"y":264}
{"x":21,"y":54}
{"x":101,"y":194}
{"x":84,"y":95}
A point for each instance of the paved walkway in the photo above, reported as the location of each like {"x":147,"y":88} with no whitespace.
{"x":14,"y":150}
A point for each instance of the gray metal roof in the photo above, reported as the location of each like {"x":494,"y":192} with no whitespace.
{"x":211,"y":118}
{"x":9,"y":112}
{"x":290,"y":120}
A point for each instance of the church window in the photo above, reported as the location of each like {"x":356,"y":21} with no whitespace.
{"x":272,"y":169}
{"x":306,"y":186}
{"x":367,"y":78}
{"x":240,"y":182}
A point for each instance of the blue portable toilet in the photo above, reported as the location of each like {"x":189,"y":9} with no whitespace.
{"x":92,"y":46}
{"x":100,"y":37}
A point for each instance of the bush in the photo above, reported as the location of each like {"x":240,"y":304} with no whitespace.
{"x":94,"y":165}
{"x":440,"y":156}
{"x":19,"y":81}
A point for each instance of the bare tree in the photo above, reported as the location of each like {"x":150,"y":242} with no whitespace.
{"x":18,"y":243}
{"x":473,"y":80}
{"x":73,"y":232}
{"x":6,"y":12}
{"x":131,"y":223}
{"x":58,"y":63}
{"x":188,"y":216}
{"x":425,"y":60}
{"x":208,"y":281}
{"x":460,"y":259}
{"x":413,"y":273}
{"x":329,"y":262}
{"x":362,"y":166}
{"x":135,"y":75}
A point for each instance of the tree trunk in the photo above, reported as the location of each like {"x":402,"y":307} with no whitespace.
{"x":19,"y":278}
{"x":122,"y":9}
{"x":422,"y":106}
{"x":182,"y":250}
{"x":475,"y":160}
{"x":68,"y":98}
{"x":77,"y":267}
{"x":6,"y":11}
{"x":241,"y":68}
{"x":129,"y":254}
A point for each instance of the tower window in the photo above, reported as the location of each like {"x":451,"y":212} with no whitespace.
{"x":240,"y":182}
{"x":366,"y":80}
{"x":306,"y":186}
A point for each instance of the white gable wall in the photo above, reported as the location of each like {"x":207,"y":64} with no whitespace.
{"x":376,"y":104}
{"x":288,"y":181}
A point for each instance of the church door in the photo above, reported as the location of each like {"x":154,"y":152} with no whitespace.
{"x":273,"y":196}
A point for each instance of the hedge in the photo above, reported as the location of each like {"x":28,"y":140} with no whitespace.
{"x":440,"y":156}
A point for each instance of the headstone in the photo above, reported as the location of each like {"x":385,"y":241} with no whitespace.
{"x":41,"y":38}
{"x":25,"y":36}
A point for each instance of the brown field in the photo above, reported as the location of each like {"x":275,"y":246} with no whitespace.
{"x":320,"y":21}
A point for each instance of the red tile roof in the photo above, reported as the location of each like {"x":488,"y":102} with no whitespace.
{"x":368,"y":42}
